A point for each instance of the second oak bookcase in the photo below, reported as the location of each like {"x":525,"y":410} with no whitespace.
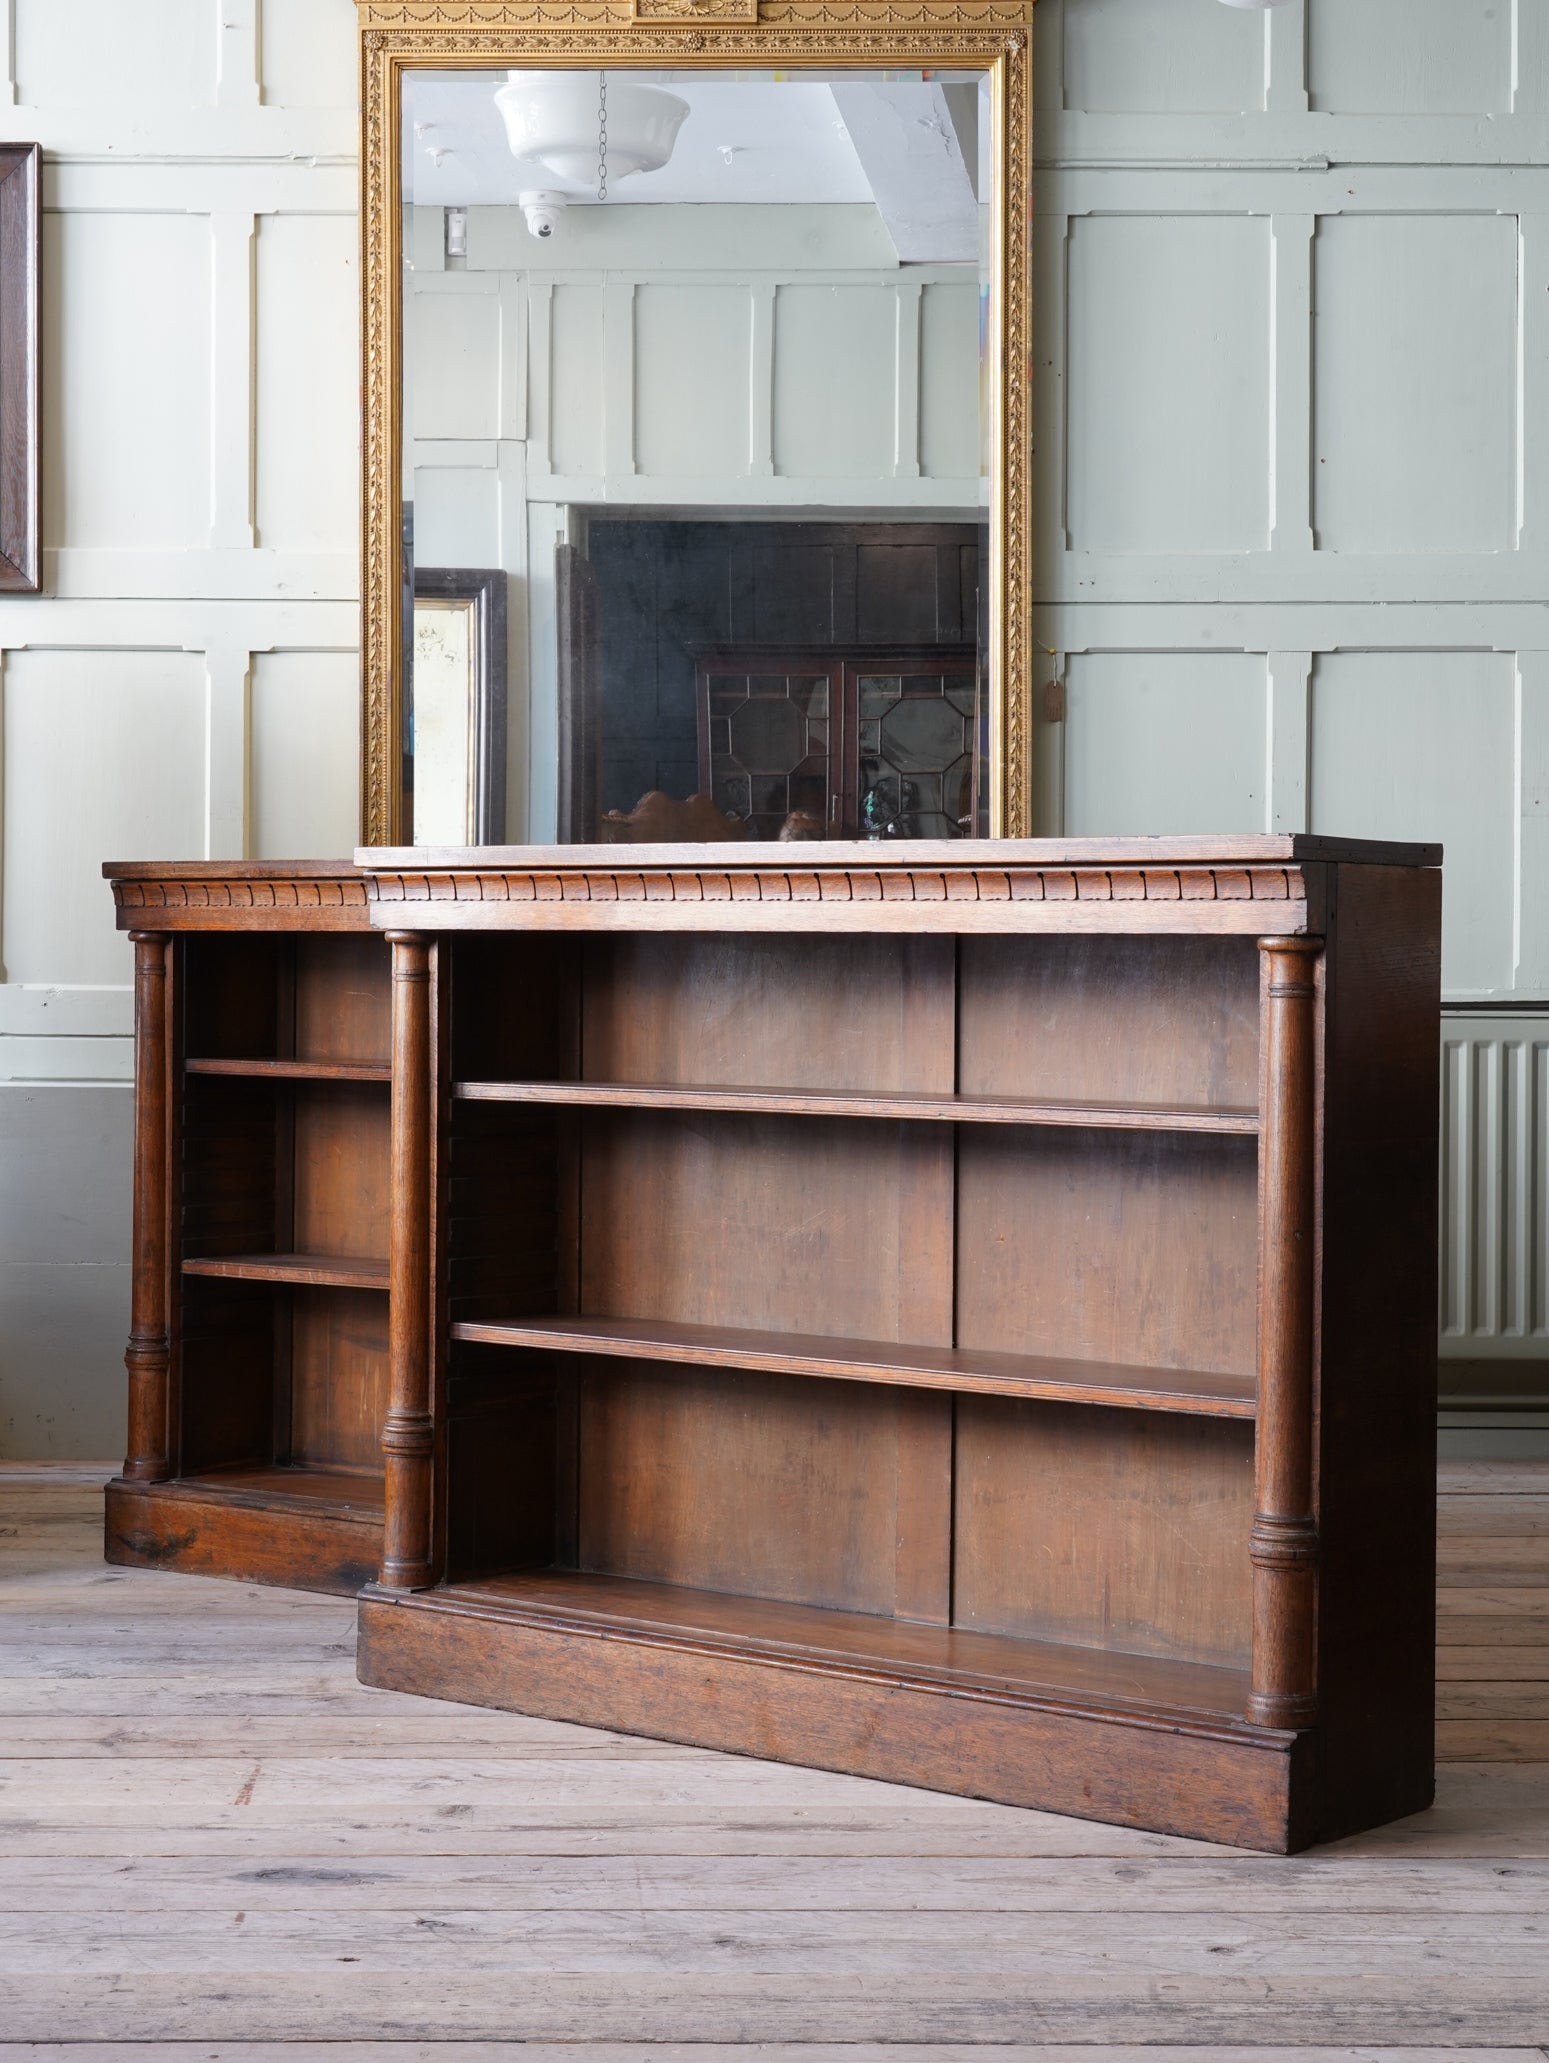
{"x":962,"y":1314}
{"x":258,"y":1355}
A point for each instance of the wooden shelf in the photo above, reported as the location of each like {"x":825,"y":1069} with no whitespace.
{"x":878,"y":1361}
{"x":294,"y":1070}
{"x":973,"y":1110}
{"x":312,"y":1271}
{"x":345,"y":1493}
{"x":950,"y":1657}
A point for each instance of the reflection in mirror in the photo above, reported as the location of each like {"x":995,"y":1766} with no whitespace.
{"x":698,"y":359}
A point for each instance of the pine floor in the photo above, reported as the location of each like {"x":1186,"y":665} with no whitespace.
{"x":215,"y":1845}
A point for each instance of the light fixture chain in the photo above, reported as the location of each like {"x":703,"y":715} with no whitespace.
{"x":602,"y":136}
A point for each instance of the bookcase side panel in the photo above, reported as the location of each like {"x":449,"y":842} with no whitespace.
{"x":1376,"y":1425}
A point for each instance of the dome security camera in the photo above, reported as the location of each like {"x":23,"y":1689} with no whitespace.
{"x":542,"y":211}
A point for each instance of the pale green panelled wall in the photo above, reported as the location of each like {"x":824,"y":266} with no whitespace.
{"x":1293,"y":460}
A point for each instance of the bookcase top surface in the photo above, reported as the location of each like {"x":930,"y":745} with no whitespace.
{"x":1258,"y":886}
{"x":1216,"y":850}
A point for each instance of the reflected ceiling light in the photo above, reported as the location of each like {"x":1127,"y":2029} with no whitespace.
{"x":553,"y":120}
{"x":1253,"y":3}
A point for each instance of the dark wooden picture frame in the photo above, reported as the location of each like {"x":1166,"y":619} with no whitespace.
{"x":485,"y":589}
{"x":20,"y":222}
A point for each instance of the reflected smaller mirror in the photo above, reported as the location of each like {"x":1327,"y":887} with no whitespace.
{"x":699,"y":362}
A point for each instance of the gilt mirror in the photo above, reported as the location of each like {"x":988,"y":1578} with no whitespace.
{"x":702,"y":336}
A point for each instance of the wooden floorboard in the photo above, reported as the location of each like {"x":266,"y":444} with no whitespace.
{"x":216,"y":1847}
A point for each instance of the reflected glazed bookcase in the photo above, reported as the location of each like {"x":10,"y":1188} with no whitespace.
{"x":258,"y":1353}
{"x":960,"y":1313}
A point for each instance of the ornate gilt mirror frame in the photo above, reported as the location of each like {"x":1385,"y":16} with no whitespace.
{"x":396,"y":35}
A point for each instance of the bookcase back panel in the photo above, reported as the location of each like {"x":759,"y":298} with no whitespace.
{"x":1124,"y":1530}
{"x":767,"y":1486}
{"x":338,"y":1377}
{"x":797,"y":1012}
{"x":1129,"y":1247}
{"x":343,"y":998}
{"x":231,"y":995}
{"x":843,"y":1228}
{"x":510,"y":1447}
{"x":226,"y":1367}
{"x":230,"y":1173}
{"x":514,"y":1006}
{"x":510,"y":1211}
{"x":341,"y":1163}
{"x":1165,"y":1021}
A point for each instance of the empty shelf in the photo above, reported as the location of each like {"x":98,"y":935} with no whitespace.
{"x":343,"y":1492}
{"x":942,"y":1109}
{"x":295,"y":1070}
{"x":880,"y":1361}
{"x":317,"y":1271}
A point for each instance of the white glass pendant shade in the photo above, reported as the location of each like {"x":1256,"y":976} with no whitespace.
{"x":553,"y":122}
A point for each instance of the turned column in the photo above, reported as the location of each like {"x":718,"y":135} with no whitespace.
{"x":407,"y":1431}
{"x":148,"y":1356}
{"x":1284,"y":1541}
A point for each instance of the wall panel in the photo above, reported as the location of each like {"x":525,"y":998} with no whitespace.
{"x":308,"y":51}
{"x":307,"y":383}
{"x":106,"y":53}
{"x":575,"y":355}
{"x":692,"y":341}
{"x":1415,"y":383}
{"x":452,"y":344}
{"x":104,"y":756}
{"x":126,"y":405}
{"x":1410,"y":57}
{"x":1128,"y":56}
{"x":835,"y":356}
{"x":951,"y":436}
{"x":305,"y":718}
{"x":1165,"y":706}
{"x":1423,"y":745}
{"x":1167,"y":370}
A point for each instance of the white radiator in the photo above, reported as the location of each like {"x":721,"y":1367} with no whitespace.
{"x":1495,"y":1186}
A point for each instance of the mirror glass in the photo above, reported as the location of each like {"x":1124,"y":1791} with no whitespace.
{"x":698,"y":361}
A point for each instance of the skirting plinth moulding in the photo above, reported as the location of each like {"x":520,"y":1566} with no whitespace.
{"x":395,"y":35}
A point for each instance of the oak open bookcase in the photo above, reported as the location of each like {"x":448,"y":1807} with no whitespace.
{"x":258,"y":1358}
{"x":962,"y":1314}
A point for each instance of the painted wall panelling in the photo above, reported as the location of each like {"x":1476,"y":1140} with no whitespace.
{"x":187,"y":683}
{"x":1293,"y":275}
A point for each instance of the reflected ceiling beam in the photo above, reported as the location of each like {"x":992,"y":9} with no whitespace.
{"x":911,"y":149}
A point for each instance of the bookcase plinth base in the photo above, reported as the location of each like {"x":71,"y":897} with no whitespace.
{"x":296,"y":1539}
{"x":1208,"y":1776}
